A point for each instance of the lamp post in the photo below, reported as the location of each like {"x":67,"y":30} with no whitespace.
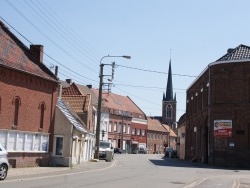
{"x":99,"y":108}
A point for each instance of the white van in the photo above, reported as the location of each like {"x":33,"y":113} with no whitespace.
{"x":105,"y":146}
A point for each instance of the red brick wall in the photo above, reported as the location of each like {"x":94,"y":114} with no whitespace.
{"x":139,"y":138}
{"x":19,"y":160}
{"x":229,"y":100}
{"x":32,"y":91}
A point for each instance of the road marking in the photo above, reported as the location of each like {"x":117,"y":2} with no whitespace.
{"x":236,"y":183}
{"x":195,"y":183}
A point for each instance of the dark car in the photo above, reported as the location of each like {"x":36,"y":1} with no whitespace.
{"x":170,"y":152}
{"x":118,"y":150}
{"x":142,"y":150}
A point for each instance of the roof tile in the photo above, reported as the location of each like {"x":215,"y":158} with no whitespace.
{"x":239,"y":53}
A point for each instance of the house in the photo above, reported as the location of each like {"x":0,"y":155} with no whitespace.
{"x":81,"y":107}
{"x":218,"y":111}
{"x":89,"y":115}
{"x":73,"y":142}
{"x":157,"y":137}
{"x":181,"y":135}
{"x":28,"y":97}
{"x":171,"y":136}
{"x":122,"y":122}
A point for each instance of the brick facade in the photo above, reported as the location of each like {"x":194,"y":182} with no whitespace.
{"x":28,"y":97}
{"x":222,"y":92}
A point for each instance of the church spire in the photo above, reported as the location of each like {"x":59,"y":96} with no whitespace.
{"x":169,"y":89}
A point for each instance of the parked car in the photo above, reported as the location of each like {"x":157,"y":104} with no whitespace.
{"x":170,"y":152}
{"x":4,"y":164}
{"x":118,"y":150}
{"x":142,"y":150}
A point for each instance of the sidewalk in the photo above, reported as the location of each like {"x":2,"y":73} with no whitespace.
{"x":90,"y":166}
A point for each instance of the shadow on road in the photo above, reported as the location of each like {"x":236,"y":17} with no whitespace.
{"x":175,"y":162}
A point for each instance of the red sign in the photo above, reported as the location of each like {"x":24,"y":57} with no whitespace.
{"x":223,"y":128}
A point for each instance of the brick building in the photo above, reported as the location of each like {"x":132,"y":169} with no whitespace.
{"x":28,"y":98}
{"x":157,"y":137}
{"x":122,"y":122}
{"x":218,"y":111}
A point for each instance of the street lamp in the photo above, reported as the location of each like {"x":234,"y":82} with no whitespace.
{"x":100,"y":103}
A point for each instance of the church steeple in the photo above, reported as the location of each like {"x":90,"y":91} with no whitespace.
{"x":169,"y":89}
{"x":169,"y":102}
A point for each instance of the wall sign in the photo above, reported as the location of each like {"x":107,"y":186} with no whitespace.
{"x":223,"y":128}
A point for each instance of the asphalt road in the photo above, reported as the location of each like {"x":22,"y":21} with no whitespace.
{"x":137,"y":170}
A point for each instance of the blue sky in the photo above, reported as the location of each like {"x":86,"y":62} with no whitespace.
{"x":77,"y":34}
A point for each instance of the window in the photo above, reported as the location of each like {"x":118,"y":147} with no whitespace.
{"x":42,"y":109}
{"x":115,"y":124}
{"x":24,"y":141}
{"x":128,"y":130}
{"x":143,"y":132}
{"x":16,"y":103}
{"x":138,"y":132}
{"x":169,"y":111}
{"x":133,"y":131}
{"x":124,"y":128}
{"x":110,"y":125}
{"x":119,"y":128}
{"x":58,"y":145}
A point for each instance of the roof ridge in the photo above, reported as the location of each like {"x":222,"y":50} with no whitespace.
{"x":240,"y":52}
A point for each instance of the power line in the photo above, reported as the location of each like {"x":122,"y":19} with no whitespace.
{"x":52,"y":41}
{"x":45,"y":53}
{"x":62,"y":23}
{"x":154,"y":71}
{"x":53,"y":24}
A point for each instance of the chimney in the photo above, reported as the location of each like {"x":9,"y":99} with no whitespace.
{"x":69,"y":81}
{"x":37,"y":53}
{"x":230,"y":50}
{"x":89,"y":86}
{"x":56,"y":71}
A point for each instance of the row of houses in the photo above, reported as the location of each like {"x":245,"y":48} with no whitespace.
{"x":45,"y":121}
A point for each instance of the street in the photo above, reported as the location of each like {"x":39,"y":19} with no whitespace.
{"x":136,"y":170}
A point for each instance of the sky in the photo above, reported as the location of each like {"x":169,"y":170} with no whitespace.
{"x":76,"y":35}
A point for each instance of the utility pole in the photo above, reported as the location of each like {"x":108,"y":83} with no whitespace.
{"x":122,"y":130}
{"x":99,"y":108}
{"x":99,"y":113}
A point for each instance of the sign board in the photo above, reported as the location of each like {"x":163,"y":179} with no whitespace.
{"x":223,"y":128}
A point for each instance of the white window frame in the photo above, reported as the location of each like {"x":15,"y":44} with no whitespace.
{"x":138,"y":132}
{"x":143,"y":132}
{"x":128,"y":130}
{"x":12,"y":141}
{"x":133,"y":131}
{"x":110,"y":126}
